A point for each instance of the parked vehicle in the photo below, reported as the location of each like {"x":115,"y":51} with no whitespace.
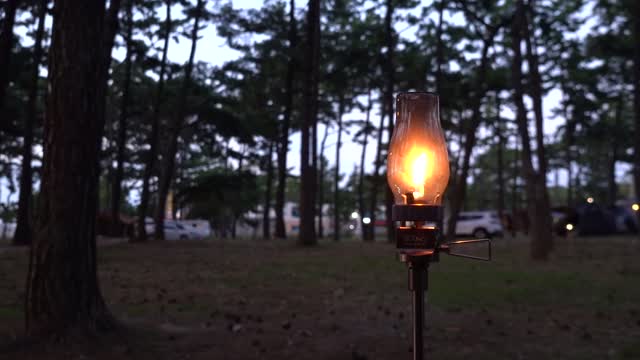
{"x":176,"y":231}
{"x":479,"y":224}
{"x":173,"y":230}
{"x":201,"y":228}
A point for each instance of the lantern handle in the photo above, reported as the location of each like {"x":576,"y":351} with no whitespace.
{"x":446,"y":248}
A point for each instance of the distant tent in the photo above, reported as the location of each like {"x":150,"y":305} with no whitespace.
{"x":595,"y":220}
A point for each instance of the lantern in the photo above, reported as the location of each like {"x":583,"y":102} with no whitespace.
{"x":418,"y":173}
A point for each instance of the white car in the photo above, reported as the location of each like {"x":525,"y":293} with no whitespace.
{"x":172,"y":230}
{"x":479,"y":224}
{"x":201,"y":228}
{"x":175,"y":231}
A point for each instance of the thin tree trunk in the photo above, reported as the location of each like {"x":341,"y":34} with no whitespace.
{"x":22,"y":234}
{"x":266,"y":220}
{"x":439,"y":47}
{"x":361,"y":206}
{"x":150,"y":159}
{"x":63,"y":294}
{"x":635,"y":19}
{"x":499,"y":130}
{"x":175,"y":127}
{"x":375,"y":178}
{"x":6,"y":45}
{"x":121,"y":143}
{"x":321,"y":183}
{"x":284,"y":130}
{"x":568,"y":143}
{"x":336,"y":174}
{"x":390,"y":80}
{"x":307,"y":235}
{"x":515,"y":193}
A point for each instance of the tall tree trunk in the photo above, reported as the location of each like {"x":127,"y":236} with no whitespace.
{"x":499,"y":133}
{"x":540,"y":233}
{"x":307,"y":235}
{"x":460,"y":185}
{"x":150,"y":159}
{"x":375,"y":178}
{"x":361,"y":205}
{"x":515,"y":193}
{"x":284,"y":129}
{"x":439,"y":47}
{"x":321,"y":177}
{"x":266,"y":220}
{"x":388,"y":96}
{"x":568,"y":145}
{"x":635,"y":19}
{"x":175,"y":127}
{"x":336,"y":174}
{"x":121,"y":143}
{"x":63,"y":294}
{"x":22,"y":234}
{"x":6,"y":44}
{"x":542,"y":221}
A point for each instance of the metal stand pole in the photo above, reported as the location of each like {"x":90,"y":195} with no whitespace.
{"x":418,"y":284}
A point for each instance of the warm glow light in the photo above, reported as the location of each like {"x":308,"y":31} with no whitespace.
{"x":590,"y":200}
{"x":635,"y":207}
{"x":366,"y":220}
{"x":569,"y":227}
{"x":418,"y":164}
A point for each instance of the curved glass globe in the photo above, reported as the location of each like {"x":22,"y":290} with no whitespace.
{"x":417,"y":163}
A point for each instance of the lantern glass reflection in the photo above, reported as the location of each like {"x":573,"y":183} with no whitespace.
{"x":417,"y":164}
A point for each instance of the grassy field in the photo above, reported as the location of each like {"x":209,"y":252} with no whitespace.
{"x":274,"y":300}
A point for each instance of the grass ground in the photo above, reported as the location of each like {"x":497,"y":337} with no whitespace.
{"x":274,"y":300}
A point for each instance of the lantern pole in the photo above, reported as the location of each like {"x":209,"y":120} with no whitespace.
{"x":418,"y":284}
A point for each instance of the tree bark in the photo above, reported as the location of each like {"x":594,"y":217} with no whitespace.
{"x":63,"y":293}
{"x":121,"y":143}
{"x":542,"y":222}
{"x":150,"y":159}
{"x":540,"y":233}
{"x":284,"y":129}
{"x":321,"y":183}
{"x":175,"y":125}
{"x":6,"y":45}
{"x":375,"y":178}
{"x":22,"y":234}
{"x":361,"y":205}
{"x":499,"y":130}
{"x":439,"y":47}
{"x":635,"y":19}
{"x":307,"y":235}
{"x":568,"y":143}
{"x":515,"y":193}
{"x":336,"y":174}
{"x":389,"y":70}
{"x":266,"y":221}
